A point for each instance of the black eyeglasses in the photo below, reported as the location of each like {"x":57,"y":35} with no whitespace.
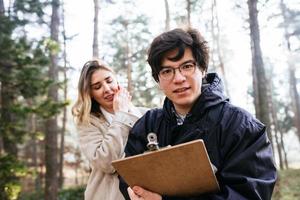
{"x":186,"y":69}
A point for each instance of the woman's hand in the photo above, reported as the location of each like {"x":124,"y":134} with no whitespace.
{"x":138,"y":193}
{"x":122,"y":100}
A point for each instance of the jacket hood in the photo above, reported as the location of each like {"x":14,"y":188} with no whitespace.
{"x":212,"y":93}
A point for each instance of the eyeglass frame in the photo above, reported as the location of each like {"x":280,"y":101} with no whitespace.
{"x":194,"y":63}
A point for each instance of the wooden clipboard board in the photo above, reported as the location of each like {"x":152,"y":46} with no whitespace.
{"x":181,"y":170}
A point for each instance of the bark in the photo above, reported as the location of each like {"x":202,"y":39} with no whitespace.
{"x":167,"y":21}
{"x":95,"y":37}
{"x":7,"y":99}
{"x":216,"y":39}
{"x":64,"y":119}
{"x":292,"y":71}
{"x":128,"y":63}
{"x":51,"y":156}
{"x":283,"y":148}
{"x":33,"y":146}
{"x":2,"y":10}
{"x":276,"y":133}
{"x":188,"y":9}
{"x":259,"y":78}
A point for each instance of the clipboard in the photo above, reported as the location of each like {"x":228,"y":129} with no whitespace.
{"x":180,"y":170}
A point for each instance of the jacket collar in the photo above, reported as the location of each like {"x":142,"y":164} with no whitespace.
{"x":211,"y":95}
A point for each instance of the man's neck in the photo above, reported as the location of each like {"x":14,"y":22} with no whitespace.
{"x":182,"y":111}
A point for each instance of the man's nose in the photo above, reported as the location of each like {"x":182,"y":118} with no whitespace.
{"x":178,"y":77}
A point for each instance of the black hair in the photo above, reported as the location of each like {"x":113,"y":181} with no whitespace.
{"x":177,"y":39}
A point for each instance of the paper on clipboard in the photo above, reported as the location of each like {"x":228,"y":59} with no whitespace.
{"x":181,"y":170}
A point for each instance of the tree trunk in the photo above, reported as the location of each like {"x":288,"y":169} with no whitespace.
{"x":64,"y":119}
{"x":167,"y":21}
{"x":259,"y":78}
{"x":295,"y":98}
{"x":51,"y":156}
{"x":276,"y":131}
{"x":128,"y":59}
{"x":7,"y":99}
{"x":2,"y":10}
{"x":216,"y":39}
{"x":95,"y":37}
{"x":33,"y":145}
{"x":292,"y":71}
{"x":284,"y":151}
{"x":188,"y":9}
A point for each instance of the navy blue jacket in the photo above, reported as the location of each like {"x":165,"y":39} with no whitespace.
{"x":236,"y":142}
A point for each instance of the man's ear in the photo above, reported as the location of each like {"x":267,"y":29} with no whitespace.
{"x":158,"y":85}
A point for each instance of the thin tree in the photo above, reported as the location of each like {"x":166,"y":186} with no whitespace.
{"x":188,"y":10}
{"x":65,"y":94}
{"x":95,"y":36}
{"x":2,"y":10}
{"x":167,"y":20}
{"x":292,"y":71}
{"x":276,"y":130}
{"x":216,"y":43}
{"x":6,"y":101}
{"x":51,"y":137}
{"x":260,"y":87}
{"x":128,"y":63}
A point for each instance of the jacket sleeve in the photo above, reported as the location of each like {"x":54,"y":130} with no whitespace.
{"x":101,"y":147}
{"x":247,"y":170}
{"x":136,"y":145}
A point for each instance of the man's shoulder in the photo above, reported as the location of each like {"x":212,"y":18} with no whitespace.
{"x":151,"y":117}
{"x":240,"y":116}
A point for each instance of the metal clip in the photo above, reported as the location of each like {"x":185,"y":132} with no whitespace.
{"x":152,"y":142}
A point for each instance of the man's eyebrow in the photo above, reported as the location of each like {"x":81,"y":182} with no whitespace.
{"x":98,"y":82}
{"x":185,"y":62}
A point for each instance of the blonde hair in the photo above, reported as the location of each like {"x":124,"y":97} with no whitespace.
{"x":85,"y":105}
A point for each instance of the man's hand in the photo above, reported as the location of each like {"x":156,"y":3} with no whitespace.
{"x":138,"y":193}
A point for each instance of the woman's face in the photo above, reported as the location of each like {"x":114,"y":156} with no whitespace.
{"x":103,"y":88}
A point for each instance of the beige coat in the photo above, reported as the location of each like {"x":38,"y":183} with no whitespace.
{"x":102,"y":143}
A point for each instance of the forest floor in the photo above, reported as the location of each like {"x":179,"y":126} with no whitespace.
{"x":288,"y":185}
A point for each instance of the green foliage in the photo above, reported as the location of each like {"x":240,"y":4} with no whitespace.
{"x":287,"y":186}
{"x":49,"y":108}
{"x":10,"y":172}
{"x":37,"y":195}
{"x":24,"y":65}
{"x":76,"y":193}
{"x":72,"y":194}
{"x":130,"y":39}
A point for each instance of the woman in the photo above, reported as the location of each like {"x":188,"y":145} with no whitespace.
{"x":104,"y":115}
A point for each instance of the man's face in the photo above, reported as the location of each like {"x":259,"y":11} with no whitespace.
{"x":182,"y":90}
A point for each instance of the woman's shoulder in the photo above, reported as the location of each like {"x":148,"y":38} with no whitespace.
{"x":143,"y":110}
{"x":93,"y":121}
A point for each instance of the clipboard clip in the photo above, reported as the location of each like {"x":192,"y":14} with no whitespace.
{"x":152,"y":142}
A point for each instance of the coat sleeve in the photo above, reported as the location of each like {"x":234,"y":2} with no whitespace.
{"x":101,"y":146}
{"x":247,"y":170}
{"x":136,"y":145}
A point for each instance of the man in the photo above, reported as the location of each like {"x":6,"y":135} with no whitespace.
{"x":196,"y":108}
